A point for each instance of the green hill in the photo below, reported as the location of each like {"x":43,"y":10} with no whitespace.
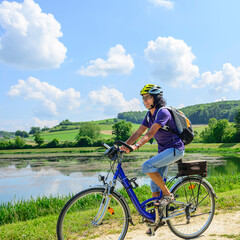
{"x":201,"y":113}
{"x":198,"y":114}
{"x":67,"y":131}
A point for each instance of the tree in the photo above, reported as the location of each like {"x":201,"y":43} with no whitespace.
{"x":90,"y":130}
{"x":53,"y":144}
{"x":38,"y":139}
{"x":65,"y":122}
{"x":122,"y":130}
{"x":19,"y":142}
{"x":35,"y":130}
{"x":237,"y":125}
{"x":45,"y":128}
{"x":219,"y":130}
{"x":18,"y":133}
{"x":25,"y":134}
{"x":84,"y":141}
{"x":212,"y":122}
{"x":22,"y":134}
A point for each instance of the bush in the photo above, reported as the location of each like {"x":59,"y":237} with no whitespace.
{"x":19,"y":143}
{"x":88,"y":130}
{"x":98,"y":143}
{"x":53,"y":144}
{"x":84,"y":142}
{"x":4,"y":144}
{"x":110,"y":142}
{"x":67,"y":144}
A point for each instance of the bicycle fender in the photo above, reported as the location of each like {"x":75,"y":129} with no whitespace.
{"x":121,"y":198}
{"x":197,"y":178}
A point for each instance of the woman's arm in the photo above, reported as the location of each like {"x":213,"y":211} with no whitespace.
{"x":150,"y":134}
{"x":136,"y":135}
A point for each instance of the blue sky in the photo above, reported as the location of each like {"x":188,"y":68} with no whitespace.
{"x":87,"y":60}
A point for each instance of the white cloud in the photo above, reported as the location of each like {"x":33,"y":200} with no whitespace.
{"x":52,"y":100}
{"x":181,"y":105}
{"x":221,"y":99}
{"x":111,"y":101}
{"x":162,"y":3}
{"x":31,"y":37}
{"x":118,"y":62}
{"x":224,"y":80}
{"x":44,"y":123}
{"x":172,"y":61}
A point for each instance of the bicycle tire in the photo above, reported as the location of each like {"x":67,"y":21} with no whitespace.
{"x":201,"y":201}
{"x":76,"y":220}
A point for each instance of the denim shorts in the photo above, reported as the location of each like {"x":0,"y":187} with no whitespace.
{"x":160,"y":162}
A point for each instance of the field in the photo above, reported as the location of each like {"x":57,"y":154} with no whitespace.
{"x":105,"y":131}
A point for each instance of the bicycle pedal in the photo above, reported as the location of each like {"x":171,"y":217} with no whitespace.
{"x":171,"y":209}
{"x":152,"y":231}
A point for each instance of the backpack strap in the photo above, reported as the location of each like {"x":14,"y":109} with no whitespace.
{"x":166,"y":127}
{"x":148,"y":118}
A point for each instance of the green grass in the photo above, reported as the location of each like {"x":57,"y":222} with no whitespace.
{"x":191,"y":148}
{"x":38,"y":229}
{"x":36,"y":219}
{"x":224,"y":186}
{"x":69,"y":134}
{"x":45,"y":227}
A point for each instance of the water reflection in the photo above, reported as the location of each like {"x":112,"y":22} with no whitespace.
{"x":21,"y":179}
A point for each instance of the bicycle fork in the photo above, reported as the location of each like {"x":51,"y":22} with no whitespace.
{"x":104,"y":206}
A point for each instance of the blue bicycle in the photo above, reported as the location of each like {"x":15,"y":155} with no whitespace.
{"x":100,"y":212}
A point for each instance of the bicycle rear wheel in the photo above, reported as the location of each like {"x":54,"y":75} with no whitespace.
{"x":195,"y":200}
{"x":78,"y":218}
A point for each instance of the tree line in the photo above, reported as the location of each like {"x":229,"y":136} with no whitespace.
{"x":88,"y":135}
{"x":198,"y":114}
{"x":218,"y":130}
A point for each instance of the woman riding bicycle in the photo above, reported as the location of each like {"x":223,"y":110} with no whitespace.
{"x":170,"y":146}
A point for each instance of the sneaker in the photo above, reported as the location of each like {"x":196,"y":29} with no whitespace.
{"x":165,"y":200}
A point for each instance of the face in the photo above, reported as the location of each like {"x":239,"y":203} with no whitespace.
{"x":147,"y":100}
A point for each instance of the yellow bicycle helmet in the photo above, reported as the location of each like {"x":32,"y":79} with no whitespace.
{"x":151,"y":89}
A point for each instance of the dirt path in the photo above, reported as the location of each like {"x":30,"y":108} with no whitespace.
{"x":223,"y":226}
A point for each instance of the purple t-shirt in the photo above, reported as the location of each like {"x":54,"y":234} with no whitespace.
{"x":164,"y":138}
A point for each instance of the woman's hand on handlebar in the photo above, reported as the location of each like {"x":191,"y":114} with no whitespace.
{"x":125,"y":149}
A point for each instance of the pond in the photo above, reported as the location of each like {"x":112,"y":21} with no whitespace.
{"x":23,"y":179}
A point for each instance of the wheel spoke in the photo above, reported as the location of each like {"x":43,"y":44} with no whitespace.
{"x":79,"y":218}
{"x":196,"y":199}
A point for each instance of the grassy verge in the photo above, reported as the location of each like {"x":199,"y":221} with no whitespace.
{"x":191,"y":148}
{"x":45,"y":227}
{"x":43,"y":206}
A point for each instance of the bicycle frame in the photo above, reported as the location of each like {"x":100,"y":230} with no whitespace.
{"x":119,"y":173}
{"x":141,"y":207}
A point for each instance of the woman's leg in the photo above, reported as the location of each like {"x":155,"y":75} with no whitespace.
{"x":165,"y":158}
{"x":157,"y":178}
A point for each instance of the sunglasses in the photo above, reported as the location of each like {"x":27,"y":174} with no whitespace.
{"x":145,"y":98}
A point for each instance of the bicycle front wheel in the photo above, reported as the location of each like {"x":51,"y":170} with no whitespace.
{"x":193,"y":210}
{"x":79,"y":217}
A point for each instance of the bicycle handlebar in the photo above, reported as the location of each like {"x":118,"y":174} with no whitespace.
{"x":106,"y":146}
{"x":124,"y":144}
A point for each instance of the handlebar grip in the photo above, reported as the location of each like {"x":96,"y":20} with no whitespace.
{"x":124,"y":144}
{"x":106,"y":146}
